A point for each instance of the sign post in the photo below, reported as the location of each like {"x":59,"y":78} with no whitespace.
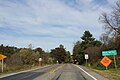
{"x":57,"y":61}
{"x":109,"y":53}
{"x":40,"y":61}
{"x":86,"y":58}
{"x":2,"y":58}
{"x":115,"y":61}
{"x":2,"y":65}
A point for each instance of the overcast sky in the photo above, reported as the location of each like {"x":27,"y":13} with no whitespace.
{"x":48,"y":23}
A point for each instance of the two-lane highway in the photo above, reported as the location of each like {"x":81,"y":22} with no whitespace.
{"x":30,"y":75}
{"x":57,"y":72}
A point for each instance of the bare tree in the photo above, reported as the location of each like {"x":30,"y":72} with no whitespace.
{"x":94,"y":53}
{"x":112,"y":21}
{"x":30,"y":46}
{"x":104,"y":38}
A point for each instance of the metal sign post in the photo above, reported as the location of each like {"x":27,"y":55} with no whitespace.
{"x":2,"y":58}
{"x":40,"y":61}
{"x":86,"y":61}
{"x":2,"y":65}
{"x":57,"y":61}
{"x":106,"y":68}
{"x":86,"y":58}
{"x":115,"y":61}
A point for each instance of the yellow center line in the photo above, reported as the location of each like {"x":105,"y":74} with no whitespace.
{"x":54,"y":70}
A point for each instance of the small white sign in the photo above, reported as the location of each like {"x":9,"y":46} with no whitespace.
{"x":86,"y":56}
{"x":40,"y":59}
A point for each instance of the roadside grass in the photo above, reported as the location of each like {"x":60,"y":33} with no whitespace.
{"x":12,"y":69}
{"x":17,"y":68}
{"x":111,"y":73}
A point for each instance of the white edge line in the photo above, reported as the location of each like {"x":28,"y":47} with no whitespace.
{"x":86,"y":72}
{"x":21,"y":72}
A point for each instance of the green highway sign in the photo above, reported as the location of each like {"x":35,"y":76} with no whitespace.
{"x":109,"y":53}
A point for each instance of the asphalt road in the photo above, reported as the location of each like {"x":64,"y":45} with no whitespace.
{"x":57,"y":72}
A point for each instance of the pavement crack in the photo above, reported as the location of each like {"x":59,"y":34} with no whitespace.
{"x":82,"y":75}
{"x":58,"y":76}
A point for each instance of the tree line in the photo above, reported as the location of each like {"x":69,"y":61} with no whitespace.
{"x":109,"y":40}
{"x":18,"y":58}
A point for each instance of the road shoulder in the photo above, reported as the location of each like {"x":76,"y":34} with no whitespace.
{"x":94,"y":75}
{"x":14,"y":73}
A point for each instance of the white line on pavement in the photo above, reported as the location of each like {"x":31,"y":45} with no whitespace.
{"x":21,"y":72}
{"x":86,"y":72}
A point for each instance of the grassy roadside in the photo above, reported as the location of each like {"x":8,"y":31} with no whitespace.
{"x":112,"y":74}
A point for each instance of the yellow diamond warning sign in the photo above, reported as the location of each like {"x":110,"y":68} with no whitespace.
{"x":105,"y":61}
{"x":2,"y":56}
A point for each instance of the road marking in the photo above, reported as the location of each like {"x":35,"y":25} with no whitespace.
{"x":54,"y":70}
{"x":86,"y":72}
